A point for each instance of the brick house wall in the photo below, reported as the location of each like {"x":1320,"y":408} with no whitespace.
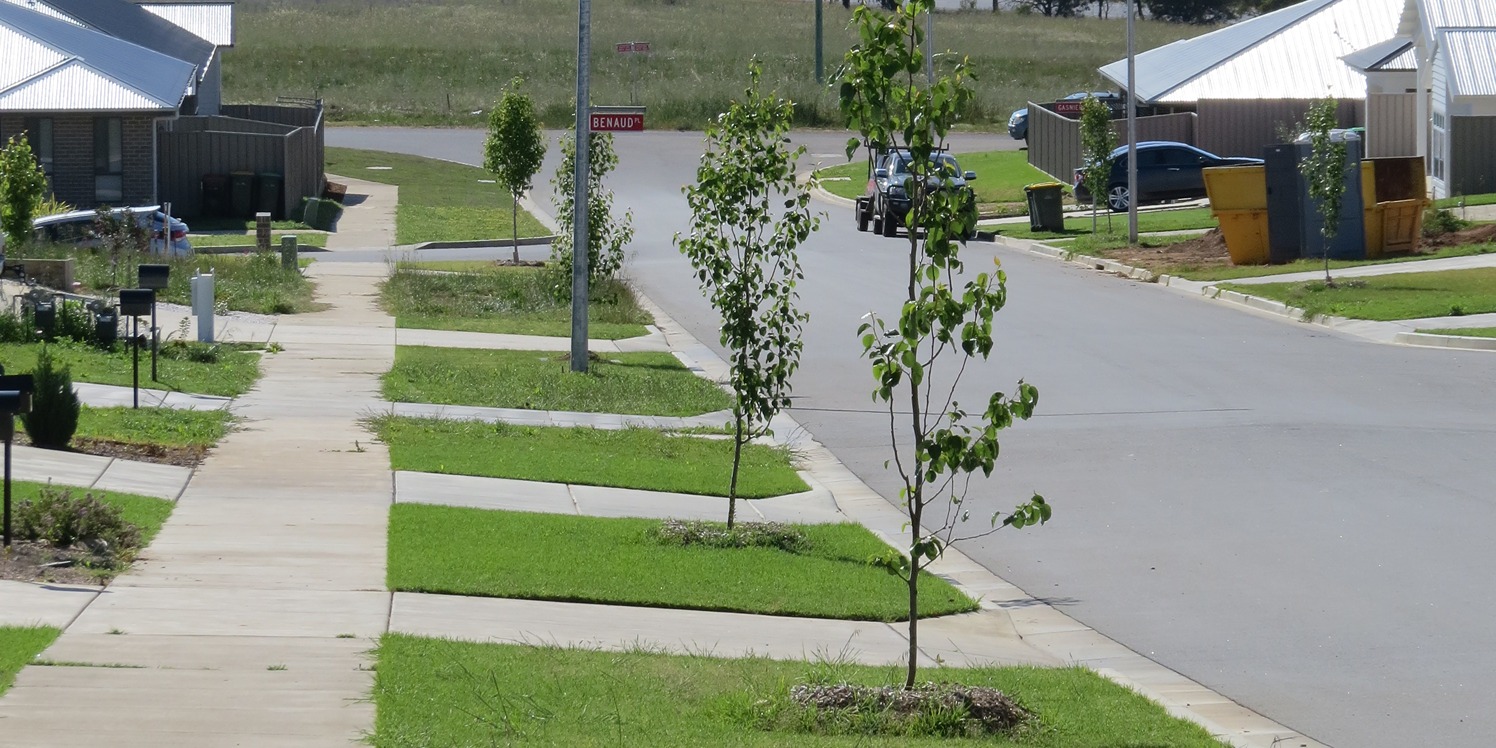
{"x":73,"y":156}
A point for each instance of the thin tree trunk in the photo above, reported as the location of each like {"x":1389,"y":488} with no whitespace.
{"x":514,"y":213}
{"x":732,"y":486}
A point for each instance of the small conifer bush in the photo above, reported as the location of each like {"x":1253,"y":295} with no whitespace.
{"x":54,"y":404}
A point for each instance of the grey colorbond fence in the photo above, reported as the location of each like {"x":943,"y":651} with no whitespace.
{"x":285,"y":140}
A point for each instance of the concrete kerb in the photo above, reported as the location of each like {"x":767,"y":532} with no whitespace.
{"x":1040,"y":625}
{"x":1379,"y":332}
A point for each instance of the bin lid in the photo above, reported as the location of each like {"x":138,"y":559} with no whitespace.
{"x":269,"y":175}
{"x":1045,"y":186}
{"x":244,"y":173}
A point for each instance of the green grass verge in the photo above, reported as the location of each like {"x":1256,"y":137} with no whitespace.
{"x":1183,"y":219}
{"x":653,"y":384}
{"x":242,"y":283}
{"x":483,"y":297}
{"x":460,"y":551}
{"x":1231,"y":272}
{"x":1389,"y":297}
{"x":19,"y":645}
{"x":625,"y":458}
{"x":145,"y":512}
{"x":439,"y":200}
{"x":303,"y":239}
{"x":1488,"y":198}
{"x":1001,"y":176}
{"x":1468,"y":332}
{"x":435,"y":692}
{"x":233,"y":374}
{"x":167,"y":427}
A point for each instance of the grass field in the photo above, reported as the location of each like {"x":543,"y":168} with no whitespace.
{"x":303,"y":239}
{"x":484,"y":297}
{"x":1183,"y":219}
{"x":439,"y":200}
{"x":440,"y":62}
{"x":627,"y":458}
{"x":1389,"y":297}
{"x":167,"y":427}
{"x":461,"y":551}
{"x":646,"y":383}
{"x":433,"y":692}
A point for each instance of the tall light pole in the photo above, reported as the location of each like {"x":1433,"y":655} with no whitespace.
{"x":820,"y":68}
{"x":579,"y":240}
{"x":1132,"y":129}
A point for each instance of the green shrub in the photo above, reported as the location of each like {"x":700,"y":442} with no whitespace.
{"x":192,"y":350}
{"x":1440,"y":221}
{"x":62,"y":519}
{"x":54,"y":405}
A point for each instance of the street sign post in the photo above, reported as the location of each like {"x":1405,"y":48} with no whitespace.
{"x":633,"y":49}
{"x":616,"y":119}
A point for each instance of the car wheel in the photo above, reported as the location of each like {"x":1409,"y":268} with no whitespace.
{"x":890,"y":224}
{"x":1117,"y":198}
{"x":862,"y":217}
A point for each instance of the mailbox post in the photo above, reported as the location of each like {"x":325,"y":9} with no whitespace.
{"x":154,"y":277}
{"x":15,"y":399}
{"x":136,"y":303}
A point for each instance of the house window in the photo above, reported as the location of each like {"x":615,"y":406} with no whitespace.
{"x":1436,"y":146}
{"x":39,"y":133}
{"x":109,"y":160}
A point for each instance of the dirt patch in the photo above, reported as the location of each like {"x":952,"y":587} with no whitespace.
{"x":1481,"y":234}
{"x":38,"y":562}
{"x":1205,"y":251}
{"x":510,"y":263}
{"x":188,"y":457}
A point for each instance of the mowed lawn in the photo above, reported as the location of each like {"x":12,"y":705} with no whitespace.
{"x":624,"y":458}
{"x":648,"y":383}
{"x":462,"y":551}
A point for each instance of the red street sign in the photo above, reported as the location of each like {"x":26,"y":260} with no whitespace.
{"x":624,"y":122}
{"x":631,"y":47}
{"x":1068,"y":108}
{"x":641,"y":46}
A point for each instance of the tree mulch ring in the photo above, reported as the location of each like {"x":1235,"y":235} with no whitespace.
{"x":39,"y":562}
{"x":1206,"y":250}
{"x":988,"y":710}
{"x":510,"y":263}
{"x":188,"y":457}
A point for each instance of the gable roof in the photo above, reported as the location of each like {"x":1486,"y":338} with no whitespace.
{"x":52,"y":65}
{"x":129,"y":22}
{"x":1471,"y":51}
{"x":1393,"y":54}
{"x":1293,"y":53}
{"x":212,"y":22}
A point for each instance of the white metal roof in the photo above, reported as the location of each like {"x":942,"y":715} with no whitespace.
{"x":213,"y":22}
{"x":1290,"y":53}
{"x":45,"y":9}
{"x":74,"y":86}
{"x":1393,"y":54}
{"x":1472,"y":60}
{"x":59,"y":66}
{"x":1451,"y":13}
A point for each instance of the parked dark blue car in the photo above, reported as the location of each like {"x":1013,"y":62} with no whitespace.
{"x":1166,"y":171}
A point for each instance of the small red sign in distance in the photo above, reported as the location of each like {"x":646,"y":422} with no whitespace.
{"x":641,"y":46}
{"x":624,"y":47}
{"x":1068,"y":108}
{"x":628,"y":122}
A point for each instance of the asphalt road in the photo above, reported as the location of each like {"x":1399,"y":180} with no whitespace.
{"x":1297,"y":519}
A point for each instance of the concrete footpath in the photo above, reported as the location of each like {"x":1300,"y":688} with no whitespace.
{"x":250,"y":618}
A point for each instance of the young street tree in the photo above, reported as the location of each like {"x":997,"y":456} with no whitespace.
{"x":1324,"y":172}
{"x":945,"y":321}
{"x":748,"y":216}
{"x":606,"y":237}
{"x":515,"y":147}
{"x":22,"y":188}
{"x":1097,"y":141}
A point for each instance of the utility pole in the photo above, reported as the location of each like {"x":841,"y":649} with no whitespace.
{"x":579,"y":240}
{"x":1132,"y":129}
{"x":820,"y":69}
